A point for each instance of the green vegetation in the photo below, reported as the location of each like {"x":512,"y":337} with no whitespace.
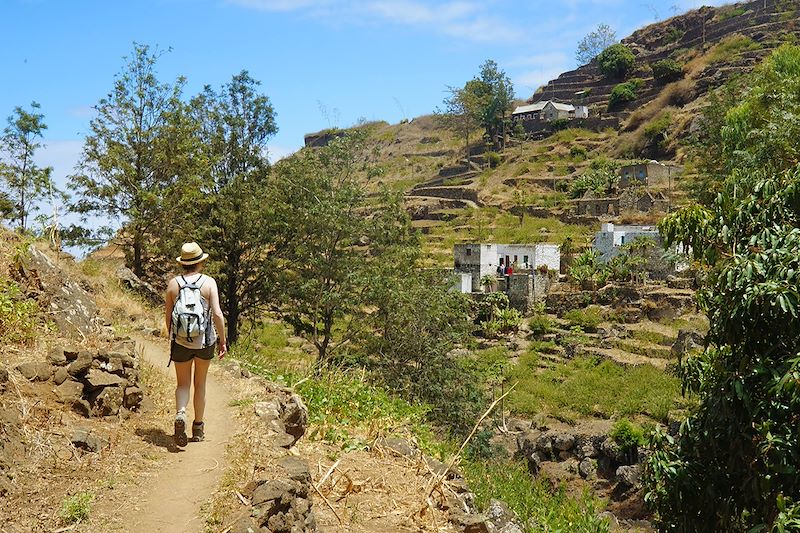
{"x":667,"y":70}
{"x":485,"y":101}
{"x":588,"y":319}
{"x":655,"y":132}
{"x":728,"y":12}
{"x":75,"y":508}
{"x":536,"y":502}
{"x":626,"y":434}
{"x":345,"y":405}
{"x":587,"y":386}
{"x":540,"y":324}
{"x":730,"y":47}
{"x":739,"y":445}
{"x":24,"y":182}
{"x":623,"y":93}
{"x":19,"y":316}
{"x":616,"y":61}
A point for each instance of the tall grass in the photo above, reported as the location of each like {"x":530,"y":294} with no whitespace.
{"x":540,"y":507}
{"x":588,"y":386}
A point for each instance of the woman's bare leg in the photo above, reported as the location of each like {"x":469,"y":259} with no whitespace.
{"x":183,"y":373}
{"x":200,"y":374}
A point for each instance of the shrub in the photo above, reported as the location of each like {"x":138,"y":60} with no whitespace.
{"x":588,"y":319}
{"x":616,"y":60}
{"x":655,"y":132}
{"x":667,"y":70}
{"x":577,"y":151}
{"x":18,"y":315}
{"x":540,"y":325}
{"x":493,"y":158}
{"x":626,"y":434}
{"x":623,"y":93}
{"x":76,"y":507}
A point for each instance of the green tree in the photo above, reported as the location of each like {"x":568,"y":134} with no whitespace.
{"x":233,"y":197}
{"x":141,"y":146}
{"x":616,"y":60}
{"x":595,"y":42}
{"x":492,"y":94}
{"x":416,"y":323}
{"x":25,"y":182}
{"x":339,"y":247}
{"x":667,"y":70}
{"x":462,"y":112}
{"x":734,"y":464}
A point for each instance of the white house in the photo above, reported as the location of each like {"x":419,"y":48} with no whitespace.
{"x":480,"y":260}
{"x":610,"y":238}
{"x":550,"y":111}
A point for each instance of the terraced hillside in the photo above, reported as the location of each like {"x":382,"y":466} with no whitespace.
{"x":757,"y":27}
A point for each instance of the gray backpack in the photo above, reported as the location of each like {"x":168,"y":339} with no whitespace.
{"x":190,"y":319}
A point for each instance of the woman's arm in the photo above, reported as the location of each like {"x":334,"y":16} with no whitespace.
{"x":169,"y":304}
{"x":218,"y":318}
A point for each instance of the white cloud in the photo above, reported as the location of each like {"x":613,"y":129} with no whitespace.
{"x":456,"y":18}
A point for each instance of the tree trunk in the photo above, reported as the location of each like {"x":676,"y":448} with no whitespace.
{"x":138,"y":268}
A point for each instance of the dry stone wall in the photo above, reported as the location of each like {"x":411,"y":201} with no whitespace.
{"x":92,"y":383}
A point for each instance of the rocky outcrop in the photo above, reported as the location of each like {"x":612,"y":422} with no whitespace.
{"x":68,"y":304}
{"x":136,"y":285}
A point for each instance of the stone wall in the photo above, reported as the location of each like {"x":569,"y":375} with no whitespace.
{"x":542,"y":127}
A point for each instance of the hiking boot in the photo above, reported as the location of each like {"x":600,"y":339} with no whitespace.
{"x":180,"y":429}
{"x":197,"y":432}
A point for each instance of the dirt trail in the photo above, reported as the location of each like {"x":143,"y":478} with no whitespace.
{"x":171,"y":500}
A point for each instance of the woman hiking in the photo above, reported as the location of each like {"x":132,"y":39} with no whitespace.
{"x":194,"y":324}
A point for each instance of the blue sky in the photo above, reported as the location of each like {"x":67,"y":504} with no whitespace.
{"x":322,"y":62}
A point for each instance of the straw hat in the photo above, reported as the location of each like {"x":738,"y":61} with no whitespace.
{"x":191,"y":254}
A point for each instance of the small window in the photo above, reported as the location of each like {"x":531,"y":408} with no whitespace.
{"x":469,"y":251}
{"x":525,"y":259}
{"x":515,"y":258}
{"x":623,"y":239}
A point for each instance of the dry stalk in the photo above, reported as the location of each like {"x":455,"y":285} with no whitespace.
{"x":324,"y":499}
{"x":330,"y":471}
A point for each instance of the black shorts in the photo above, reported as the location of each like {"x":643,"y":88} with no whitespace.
{"x":181,"y":354}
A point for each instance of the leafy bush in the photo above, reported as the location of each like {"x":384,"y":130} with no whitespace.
{"x":655,"y":132}
{"x":577,"y":151}
{"x":540,"y":325}
{"x":599,"y":181}
{"x":622,"y":93}
{"x":739,"y":445}
{"x":18,"y":315}
{"x":588,"y":318}
{"x":667,"y":70}
{"x":616,"y":60}
{"x":626,"y":434}
{"x":493,"y":158}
